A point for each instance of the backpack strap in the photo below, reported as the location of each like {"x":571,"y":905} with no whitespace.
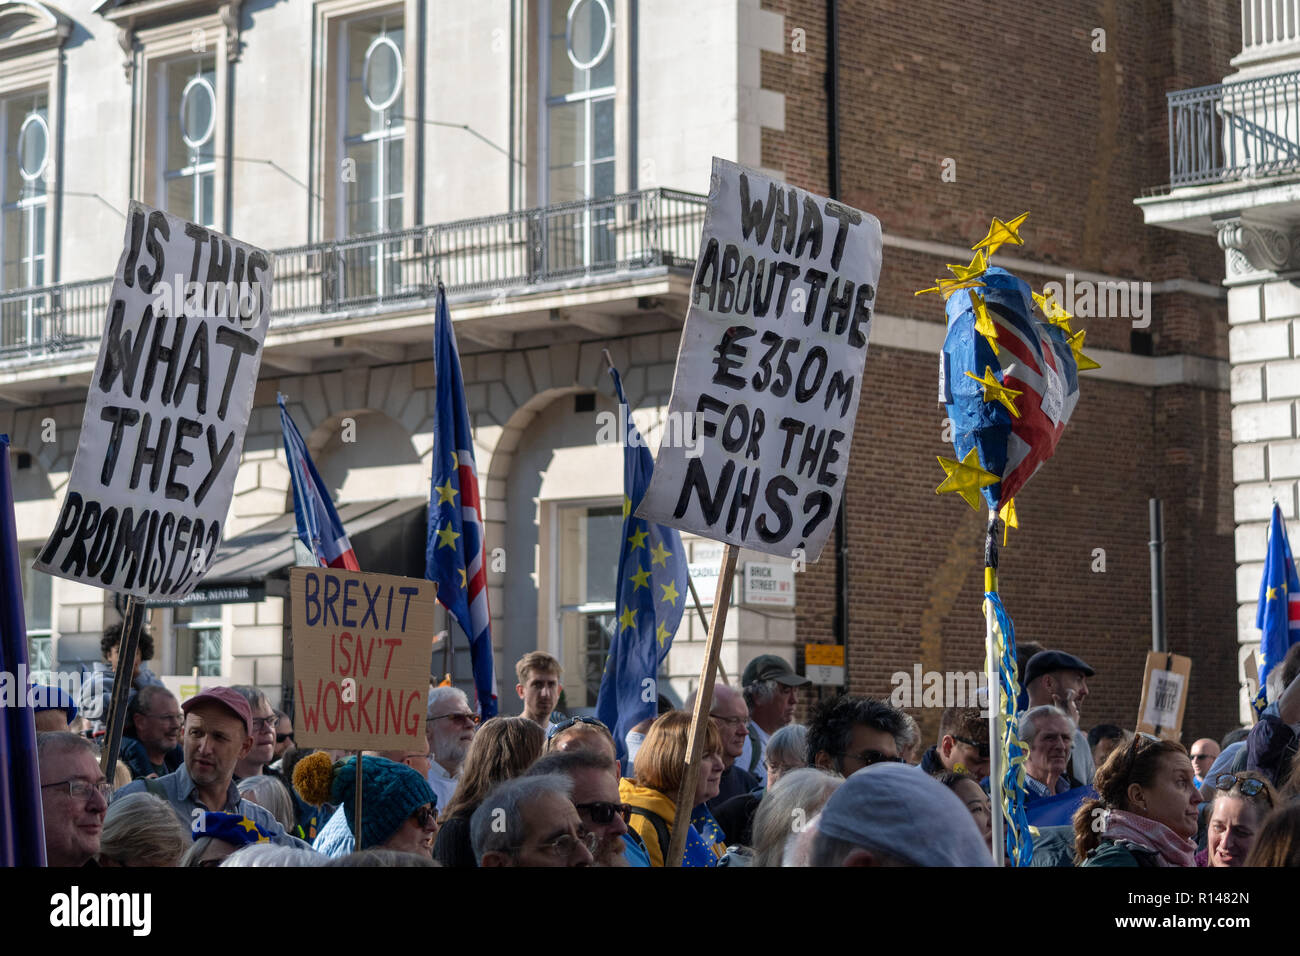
{"x":661,"y":828}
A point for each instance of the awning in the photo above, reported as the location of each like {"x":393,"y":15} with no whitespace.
{"x":387,"y":535}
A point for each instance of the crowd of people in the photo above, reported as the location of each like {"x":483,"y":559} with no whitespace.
{"x":220,"y":781}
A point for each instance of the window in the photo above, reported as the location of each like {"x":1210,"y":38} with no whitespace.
{"x":588,"y":552}
{"x":580,"y":94}
{"x":198,"y":639}
{"x":374,"y":126}
{"x":37,"y":611}
{"x":27,"y":146}
{"x":187,"y":110}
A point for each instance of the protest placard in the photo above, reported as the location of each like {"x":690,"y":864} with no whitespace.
{"x":1164,"y":695}
{"x":166,"y":411}
{"x":361,"y":656}
{"x":770,"y":367}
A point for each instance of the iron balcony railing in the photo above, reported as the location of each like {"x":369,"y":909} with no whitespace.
{"x":1233,"y":131}
{"x":567,"y":242}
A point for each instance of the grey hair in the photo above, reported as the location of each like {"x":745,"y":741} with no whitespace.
{"x":789,"y":746}
{"x":143,"y":830}
{"x":795,"y":799}
{"x":56,"y":742}
{"x":195,"y":852}
{"x":377,"y":856}
{"x":271,"y":795}
{"x":759,"y":693}
{"x":438,"y":695}
{"x":909,"y":736}
{"x":1031,"y":718}
{"x":251,"y":694}
{"x":272,"y":854}
{"x":506,"y":803}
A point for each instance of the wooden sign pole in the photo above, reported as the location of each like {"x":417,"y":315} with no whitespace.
{"x":703,"y":704}
{"x":356,"y":813}
{"x":122,"y":681}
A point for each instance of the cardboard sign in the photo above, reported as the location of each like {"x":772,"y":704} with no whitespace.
{"x":166,"y":411}
{"x":361,"y":658}
{"x":770,"y":367}
{"x":1164,"y":695}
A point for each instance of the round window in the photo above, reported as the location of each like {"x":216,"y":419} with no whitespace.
{"x":33,"y":147}
{"x":198,"y":112}
{"x":382,"y":75}
{"x":588,"y":33}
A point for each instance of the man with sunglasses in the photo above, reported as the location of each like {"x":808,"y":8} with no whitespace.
{"x":594,"y":777}
{"x":963,"y":745}
{"x":847,"y":733}
{"x":449,"y":725}
{"x":74,"y":798}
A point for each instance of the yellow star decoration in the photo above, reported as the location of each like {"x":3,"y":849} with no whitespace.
{"x":995,"y":391}
{"x":446,"y":493}
{"x":637,"y":540}
{"x":947,"y":287}
{"x":641,"y":576}
{"x":670,"y":592}
{"x":972,"y":271}
{"x":659,"y":555}
{"x":455,"y":461}
{"x":965,"y":477}
{"x":464,"y":581}
{"x":1009,"y":520}
{"x":248,"y":825}
{"x":447,"y":537}
{"x":1076,"y":346}
{"x":983,"y":321}
{"x":1053,"y":312}
{"x":1000,"y":233}
{"x":627,"y":619}
{"x":627,"y":507}
{"x":1272,"y":593}
{"x":661,"y":632}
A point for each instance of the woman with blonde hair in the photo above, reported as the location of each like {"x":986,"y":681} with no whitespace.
{"x":1241,"y":802}
{"x":652,"y":795}
{"x":503,"y":748}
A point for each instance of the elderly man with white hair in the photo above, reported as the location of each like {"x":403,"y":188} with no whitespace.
{"x":1049,"y":732}
{"x":531,"y":821}
{"x":449,"y":725}
{"x":730,"y":713}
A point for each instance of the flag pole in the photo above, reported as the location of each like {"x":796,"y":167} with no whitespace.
{"x":122,"y":680}
{"x":704,"y":621}
{"x":994,"y":699}
{"x":356,"y":815}
{"x":703,"y":704}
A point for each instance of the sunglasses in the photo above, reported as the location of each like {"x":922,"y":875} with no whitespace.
{"x":281,"y":738}
{"x":566,"y":724}
{"x":869,"y":757}
{"x":1249,"y":786}
{"x":422,"y":814}
{"x":981,"y":749}
{"x":602,"y":814}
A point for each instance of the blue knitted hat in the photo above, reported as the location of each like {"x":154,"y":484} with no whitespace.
{"x":393,"y":791}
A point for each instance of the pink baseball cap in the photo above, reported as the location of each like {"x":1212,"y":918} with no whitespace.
{"x":230,"y":699}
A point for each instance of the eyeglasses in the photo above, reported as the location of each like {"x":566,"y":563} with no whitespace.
{"x":564,"y":845}
{"x":729,"y":721}
{"x":869,"y":757}
{"x":469,"y":718}
{"x":281,"y":738}
{"x":81,"y":789}
{"x":169,"y":718}
{"x":263,"y":724}
{"x":602,"y":814}
{"x":424,"y":813}
{"x":566,"y":724}
{"x":981,"y":749}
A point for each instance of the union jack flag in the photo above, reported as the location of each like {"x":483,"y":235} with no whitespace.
{"x":1032,"y":357}
{"x":455,"y":552}
{"x":319,"y":526}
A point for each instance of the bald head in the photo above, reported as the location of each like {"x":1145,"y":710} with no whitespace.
{"x":1203,"y":753}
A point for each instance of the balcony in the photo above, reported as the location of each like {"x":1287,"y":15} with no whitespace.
{"x":340,"y":288}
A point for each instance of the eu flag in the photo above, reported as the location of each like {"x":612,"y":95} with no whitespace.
{"x":1279,"y":605}
{"x":652,"y":589}
{"x":455,"y":552}
{"x":22,"y":841}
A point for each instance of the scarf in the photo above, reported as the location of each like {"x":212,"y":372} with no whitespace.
{"x":1170,"y":848}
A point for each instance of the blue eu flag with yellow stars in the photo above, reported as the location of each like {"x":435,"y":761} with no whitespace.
{"x":1278,"y":616}
{"x":652,"y":593}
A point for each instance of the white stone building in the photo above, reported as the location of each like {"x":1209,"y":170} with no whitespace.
{"x":1235,"y":174}
{"x":543,"y":158}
